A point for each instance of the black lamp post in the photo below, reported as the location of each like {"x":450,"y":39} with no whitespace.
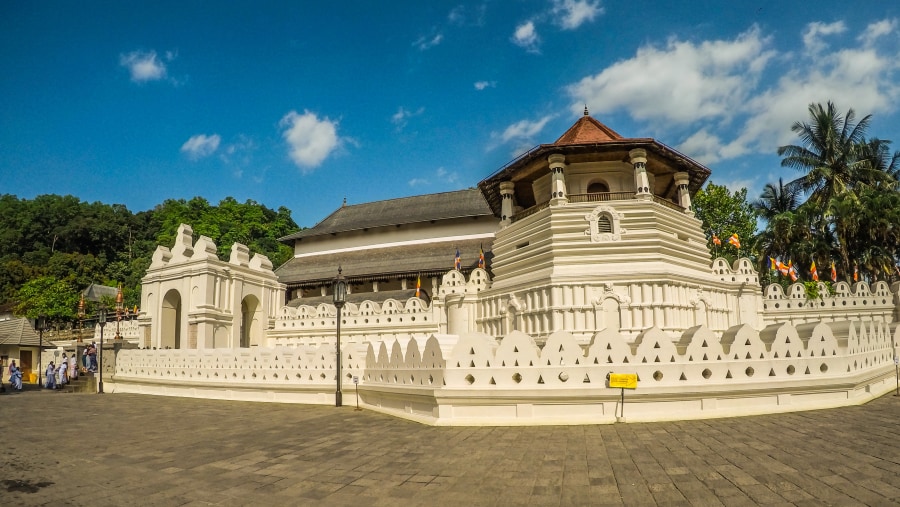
{"x":40,"y":324}
{"x":339,"y":293}
{"x":120,"y":300}
{"x":81,"y":319}
{"x":101,"y":321}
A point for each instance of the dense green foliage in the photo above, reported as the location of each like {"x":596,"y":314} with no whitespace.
{"x":53,"y":246}
{"x":851,"y":215}
{"x":723,"y":214}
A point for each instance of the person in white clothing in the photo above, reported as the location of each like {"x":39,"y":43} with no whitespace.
{"x":61,"y":372}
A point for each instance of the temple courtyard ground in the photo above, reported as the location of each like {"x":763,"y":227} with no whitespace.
{"x":123,"y":449}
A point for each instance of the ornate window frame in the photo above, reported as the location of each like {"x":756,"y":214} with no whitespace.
{"x":614,"y":218}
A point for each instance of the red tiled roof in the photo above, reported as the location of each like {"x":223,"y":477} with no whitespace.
{"x":586,"y":131}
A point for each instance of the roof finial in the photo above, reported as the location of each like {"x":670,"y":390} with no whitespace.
{"x":585,"y":110}
{"x":345,"y":202}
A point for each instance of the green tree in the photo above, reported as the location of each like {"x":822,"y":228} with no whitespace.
{"x":724,"y":213}
{"x":47,"y":296}
{"x":851,"y":187}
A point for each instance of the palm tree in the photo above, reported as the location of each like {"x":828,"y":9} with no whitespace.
{"x":827,"y":154}
{"x":776,"y":200}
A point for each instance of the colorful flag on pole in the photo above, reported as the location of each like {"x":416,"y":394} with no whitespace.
{"x":773,"y":265}
{"x":418,"y":285}
{"x":855,"y":273}
{"x":783,"y":268}
{"x":814,"y":272}
{"x":481,"y":257}
{"x":716,"y":240}
{"x":833,"y":273}
{"x":792,"y":271}
{"x":735,"y":241}
{"x":457,"y":262}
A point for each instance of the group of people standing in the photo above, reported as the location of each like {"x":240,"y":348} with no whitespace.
{"x":57,"y":376}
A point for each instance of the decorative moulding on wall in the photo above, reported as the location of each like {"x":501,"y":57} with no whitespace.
{"x":604,"y":224}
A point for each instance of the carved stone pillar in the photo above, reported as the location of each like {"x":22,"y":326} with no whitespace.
{"x":558,"y":179}
{"x":638,"y":157}
{"x":507,"y":192}
{"x":684,"y":196}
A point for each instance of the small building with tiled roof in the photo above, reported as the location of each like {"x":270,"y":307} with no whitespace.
{"x":20,"y":342}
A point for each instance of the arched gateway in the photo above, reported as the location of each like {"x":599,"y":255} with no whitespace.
{"x":207,"y":303}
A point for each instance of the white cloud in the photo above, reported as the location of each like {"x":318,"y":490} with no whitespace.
{"x":447,"y":176}
{"x":681,"y":82}
{"x":702,"y":146}
{"x":481,"y":85}
{"x":462,"y":15}
{"x":524,"y":129}
{"x":812,"y":37}
{"x":573,"y":13}
{"x":520,"y":135}
{"x":200,"y":146}
{"x":145,"y":66}
{"x":526,"y":36}
{"x":310,"y":140}
{"x":440,"y":175}
{"x":423,"y":43}
{"x":711,"y":94}
{"x":402,"y":116}
{"x":877,"y":30}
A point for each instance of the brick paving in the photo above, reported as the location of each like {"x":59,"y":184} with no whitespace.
{"x":123,"y":449}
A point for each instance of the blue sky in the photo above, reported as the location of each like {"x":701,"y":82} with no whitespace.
{"x":301,"y":104}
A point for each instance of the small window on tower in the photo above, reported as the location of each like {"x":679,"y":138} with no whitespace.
{"x":604,"y":226}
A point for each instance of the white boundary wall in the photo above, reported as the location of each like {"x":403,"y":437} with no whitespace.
{"x":476,"y":380}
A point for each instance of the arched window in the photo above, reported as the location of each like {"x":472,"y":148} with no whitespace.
{"x":604,"y":224}
{"x":597,"y":187}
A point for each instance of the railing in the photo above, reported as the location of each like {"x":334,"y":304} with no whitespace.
{"x":601,"y":197}
{"x":667,"y":203}
{"x":530,"y":211}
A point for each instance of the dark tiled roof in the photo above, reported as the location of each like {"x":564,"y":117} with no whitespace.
{"x":19,"y":332}
{"x":95,"y":292}
{"x":430,"y":259}
{"x":405,"y":210}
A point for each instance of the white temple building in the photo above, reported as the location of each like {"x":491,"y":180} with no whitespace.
{"x":579,"y":259}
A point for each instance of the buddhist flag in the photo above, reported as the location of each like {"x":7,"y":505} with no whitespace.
{"x":735,"y":241}
{"x":814,"y":272}
{"x":481,"y":257}
{"x":418,"y":285}
{"x":716,"y":240}
{"x":855,"y":273}
{"x":457,"y":262}
{"x":783,"y":268}
{"x":792,"y":271}
{"x":833,"y":273}
{"x":772,"y":264}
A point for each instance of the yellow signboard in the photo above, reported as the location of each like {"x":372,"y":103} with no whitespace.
{"x":623,"y":380}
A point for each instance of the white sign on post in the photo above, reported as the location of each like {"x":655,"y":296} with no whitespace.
{"x":355,"y":379}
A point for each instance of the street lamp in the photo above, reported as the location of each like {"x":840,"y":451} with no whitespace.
{"x":339,"y":292}
{"x":120,"y":300}
{"x":101,"y":321}
{"x":40,"y":324}
{"x":81,"y":320}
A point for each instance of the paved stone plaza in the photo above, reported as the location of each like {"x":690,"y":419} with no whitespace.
{"x":123,"y":449}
